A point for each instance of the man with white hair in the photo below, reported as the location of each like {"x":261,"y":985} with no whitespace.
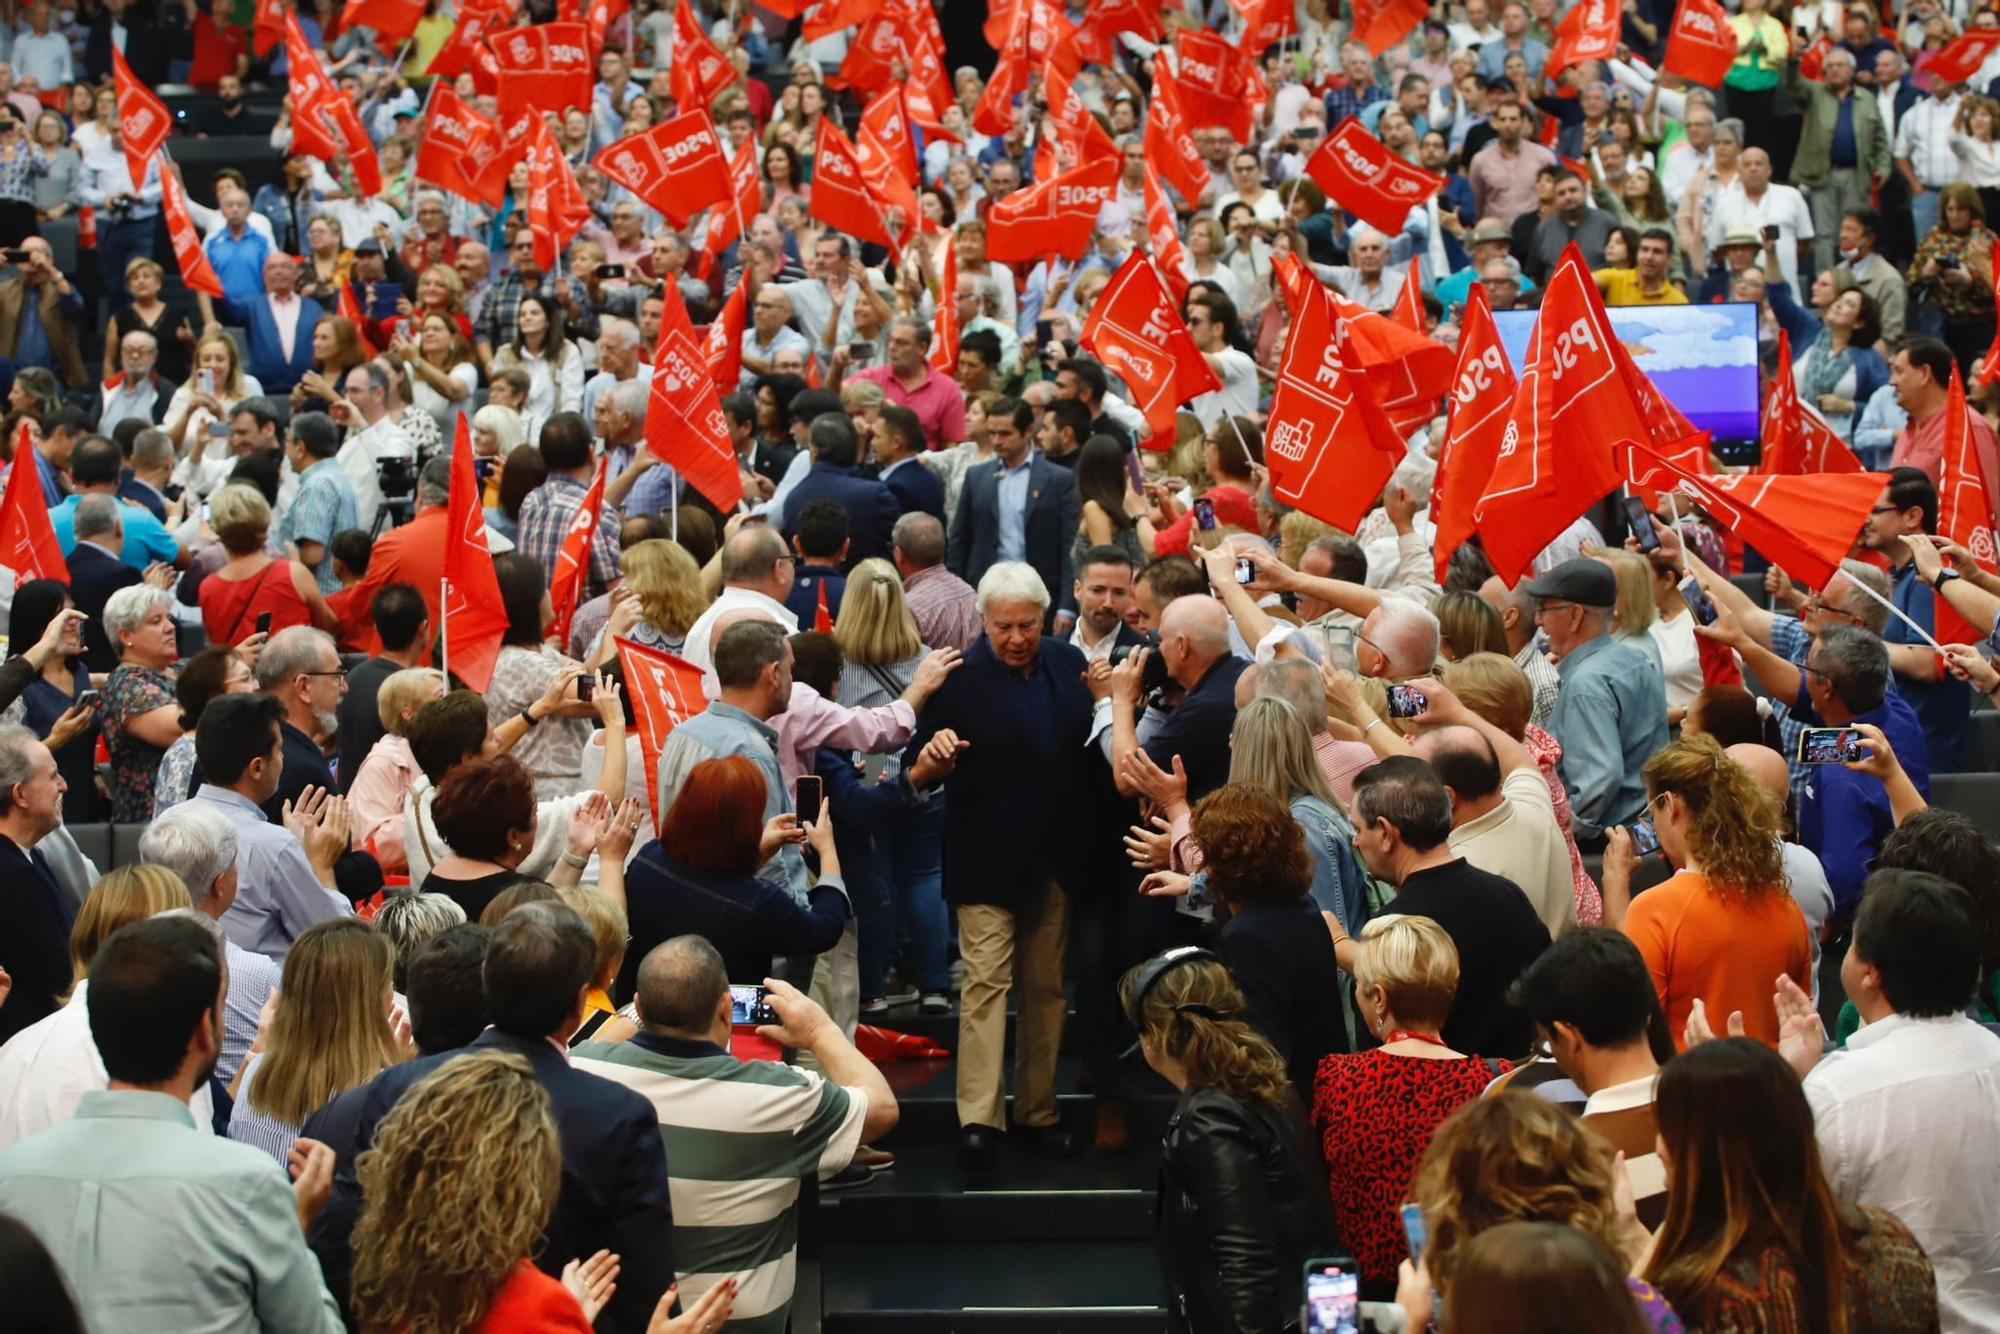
{"x":620,"y":358}
{"x":138,"y":390}
{"x":1009,"y":729}
{"x":769,"y":334}
{"x":639,"y":483}
{"x":373,"y":435}
{"x":978,"y":297}
{"x":35,"y":922}
{"x":1611,"y":710}
{"x":1368,"y":281}
{"x":236,"y":250}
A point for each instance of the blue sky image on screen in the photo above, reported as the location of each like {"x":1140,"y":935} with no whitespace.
{"x":1703,"y":358}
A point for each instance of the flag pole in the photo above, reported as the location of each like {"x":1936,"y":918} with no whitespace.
{"x":444,"y":627}
{"x":1900,"y":615}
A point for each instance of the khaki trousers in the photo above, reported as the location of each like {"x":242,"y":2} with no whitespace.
{"x":997,"y":945}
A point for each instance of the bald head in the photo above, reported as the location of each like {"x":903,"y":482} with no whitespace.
{"x":1765,"y":765}
{"x":1465,"y":761}
{"x":757,"y":558}
{"x":1405,"y":636}
{"x":1194,"y":636}
{"x":682,"y":984}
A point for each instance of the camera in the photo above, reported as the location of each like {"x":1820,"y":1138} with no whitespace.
{"x":1155,"y":674}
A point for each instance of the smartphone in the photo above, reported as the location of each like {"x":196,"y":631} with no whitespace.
{"x":1045,"y":332}
{"x":1645,"y":838}
{"x":1333,"y":1297}
{"x":218,"y":430}
{"x":1830,"y":745}
{"x":1700,"y":605}
{"x":806,"y":798}
{"x":1415,"y":1232}
{"x":14,"y":256}
{"x":1642,"y":524}
{"x":750,"y":1005}
{"x":586,"y":687}
{"x":1407,"y":702}
{"x":1771,"y":231}
{"x":483,"y":468}
{"x":860,"y":353}
{"x":611,"y":270}
{"x":1134,"y":471}
{"x":208,"y":382}
{"x":263,"y":622}
{"x":1245,"y":571}
{"x":1204,"y":514}
{"x":1947,"y":261}
{"x":1305,"y":132}
{"x":86,"y":700}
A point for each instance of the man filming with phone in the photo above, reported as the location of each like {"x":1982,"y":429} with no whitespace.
{"x":39,"y":311}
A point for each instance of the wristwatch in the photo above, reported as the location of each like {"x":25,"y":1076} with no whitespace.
{"x":1944,"y":576}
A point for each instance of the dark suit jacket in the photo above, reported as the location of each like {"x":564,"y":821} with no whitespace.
{"x":614,"y":1179}
{"x":872,"y":510}
{"x":1050,"y":527}
{"x":1010,"y":806}
{"x":917,"y":488}
{"x":146,"y":49}
{"x":1198,"y":728}
{"x":1283,"y":967}
{"x":161,"y":397}
{"x":94,"y":575}
{"x":36,"y":914}
{"x":267,"y":351}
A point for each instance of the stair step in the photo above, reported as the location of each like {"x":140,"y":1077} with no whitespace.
{"x":927,"y":1093}
{"x":1090,"y":1197}
{"x":1034,"y":1287}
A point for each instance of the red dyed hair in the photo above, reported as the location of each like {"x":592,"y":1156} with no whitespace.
{"x":717,"y":821}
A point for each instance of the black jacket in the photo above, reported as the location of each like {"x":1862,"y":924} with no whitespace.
{"x":35,"y":920}
{"x":1243,"y":1206}
{"x":94,"y":575}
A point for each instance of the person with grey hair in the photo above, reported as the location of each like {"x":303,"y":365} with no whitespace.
{"x":97,"y":570}
{"x":301,"y":669}
{"x":199,"y":844}
{"x":769,"y":334}
{"x":38,"y":913}
{"x":1194,"y":737}
{"x":410,"y":918}
{"x":638,"y":483}
{"x":757,"y":570}
{"x":1611,"y":710}
{"x":141,"y":391}
{"x":907,"y":379}
{"x":1010,"y":726}
{"x":374,"y":436}
{"x":872,"y":508}
{"x":621,"y":358}
{"x":944,"y":606}
{"x":141,"y":717}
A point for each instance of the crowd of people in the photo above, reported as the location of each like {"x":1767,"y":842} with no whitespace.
{"x":1502,"y":940}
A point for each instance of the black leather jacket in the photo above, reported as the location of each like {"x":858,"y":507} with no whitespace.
{"x":1243,"y":1206}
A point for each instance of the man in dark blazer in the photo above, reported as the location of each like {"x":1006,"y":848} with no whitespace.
{"x":97,"y":569}
{"x":261,"y":318}
{"x":36,"y":912}
{"x":871,"y":510}
{"x":897,"y":447}
{"x":539,"y":972}
{"x":1018,"y":507}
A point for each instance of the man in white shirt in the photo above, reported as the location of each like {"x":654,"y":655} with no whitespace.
{"x":1212,"y":320}
{"x":42,"y":55}
{"x":1103,"y":600}
{"x":1908,"y":1113}
{"x":1756,"y":202}
{"x":1369,"y":282}
{"x":757,"y":569}
{"x":1690,"y":155}
{"x":620,"y":357}
{"x":372,"y":436}
{"x":829,"y":294}
{"x":1503,"y":819}
{"x":137,"y":390}
{"x":1924,"y":156}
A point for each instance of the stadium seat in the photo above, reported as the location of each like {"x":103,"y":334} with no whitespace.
{"x":1975,"y":796}
{"x":125,"y":843}
{"x":94,"y":842}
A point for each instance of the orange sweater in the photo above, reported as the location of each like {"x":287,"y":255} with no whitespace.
{"x":1699,"y":943}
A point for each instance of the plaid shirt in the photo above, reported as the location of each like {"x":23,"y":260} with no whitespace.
{"x":1347,"y":100}
{"x":325,"y":505}
{"x":497,"y":316}
{"x":1542,"y":676}
{"x":945,"y":609}
{"x":545,"y":519}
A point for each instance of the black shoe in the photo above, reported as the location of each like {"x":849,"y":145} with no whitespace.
{"x":978,"y":1151}
{"x":847,"y":1178}
{"x":1049,"y":1139}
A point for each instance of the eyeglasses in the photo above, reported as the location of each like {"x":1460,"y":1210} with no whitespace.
{"x":340,"y":672}
{"x":1887,"y":509}
{"x":1815,"y":605}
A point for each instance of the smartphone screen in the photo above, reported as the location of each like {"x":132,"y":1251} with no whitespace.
{"x":1204,"y":514}
{"x":1407,"y":702}
{"x":611,"y":271}
{"x":264,"y":623}
{"x":1415,"y":1232}
{"x":208,"y":382}
{"x":1700,"y":605}
{"x":750,"y":1005}
{"x":87,"y":700}
{"x":1830,"y":745}
{"x":1645,"y":839}
{"x":1333,"y":1297}
{"x":1245,"y":571}
{"x":1045,"y":332}
{"x":1642,"y":524}
{"x":586,"y":687}
{"x":806,"y":798}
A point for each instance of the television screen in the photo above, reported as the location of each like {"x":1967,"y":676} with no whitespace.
{"x":1703,"y":358}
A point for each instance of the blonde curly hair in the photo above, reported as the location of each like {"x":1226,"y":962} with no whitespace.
{"x":1735,"y":829}
{"x":460,"y":1184}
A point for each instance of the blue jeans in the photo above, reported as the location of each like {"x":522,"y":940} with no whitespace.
{"x":915,"y":846}
{"x":1924,"y":211}
{"x":118,"y":244}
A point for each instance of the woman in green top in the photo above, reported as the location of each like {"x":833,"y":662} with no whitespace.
{"x":1762,"y":48}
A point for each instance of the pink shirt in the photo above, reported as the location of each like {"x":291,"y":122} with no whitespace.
{"x":376,"y":801}
{"x":938,"y":402}
{"x":813,"y":721}
{"x":1923,"y":447}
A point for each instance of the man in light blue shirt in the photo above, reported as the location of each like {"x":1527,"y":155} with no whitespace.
{"x":94,"y":470}
{"x":155,"y":1224}
{"x":281,"y":887}
{"x":1013,"y":504}
{"x":237,"y":252}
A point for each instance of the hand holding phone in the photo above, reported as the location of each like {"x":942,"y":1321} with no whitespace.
{"x":1333,"y":1296}
{"x":1641,"y":522}
{"x":806,"y":797}
{"x":1645,"y":838}
{"x":1831,"y":745}
{"x":263,"y":622}
{"x":1407,"y":702}
{"x":1204,"y":513}
{"x":750,"y":1006}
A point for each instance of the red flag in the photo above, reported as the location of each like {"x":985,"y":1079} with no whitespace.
{"x":28,"y":543}
{"x":1169,"y":255}
{"x":1589,"y":32}
{"x":725,"y":340}
{"x":822,"y":618}
{"x":1962,"y":57}
{"x":1408,"y":372}
{"x":1170,"y":145}
{"x":1702,"y":46}
{"x":514,"y":135}
{"x":1294,"y":282}
{"x":196,"y":271}
{"x":1029,"y":40}
{"x":1381,"y":24}
{"x":324,"y":122}
{"x":928,"y":91}
{"x":1965,"y":509}
{"x":458,"y":147}
{"x":1218,"y":83}
{"x":143,"y":119}
{"x":870,"y":66}
{"x":477,"y":20}
{"x":725,"y":225}
{"x":1267,"y":22}
{"x":889,"y":177}
{"x":700,"y":72}
{"x":573,"y":561}
{"x":1813,"y":63}
{"x":360,"y":148}
{"x":543,"y":68}
{"x":840,"y":197}
{"x":267,"y":28}
{"x":1481,"y":400}
{"x":665,"y":692}
{"x":836,"y":15}
{"x":1797,"y":439}
{"x":556,"y":207}
{"x":475,"y":619}
{"x":677,"y":166}
{"x":887,"y":120}
{"x":1137,"y":333}
{"x":1368,"y":180}
{"x":1409,"y":308}
{"x":1053,"y":217}
{"x":1571,"y":407}
{"x":1803,"y":522}
{"x":390,"y":18}
{"x":944,"y":323}
{"x":684,"y":422}
{"x":598,"y":18}
{"x":349,"y":309}
{"x":1328,"y":445}
{"x":1078,"y":130}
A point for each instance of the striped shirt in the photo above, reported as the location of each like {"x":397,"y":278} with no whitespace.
{"x":324,"y":506}
{"x":258,"y":1129}
{"x":739,"y":1136}
{"x":945,"y":608}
